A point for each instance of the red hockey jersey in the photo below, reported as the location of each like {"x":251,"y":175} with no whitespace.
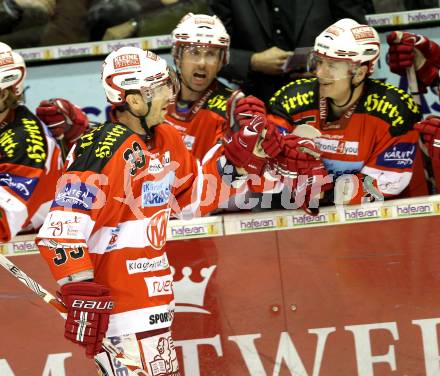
{"x":30,"y":165}
{"x":374,"y":137}
{"x":205,"y":122}
{"x":110,"y":215}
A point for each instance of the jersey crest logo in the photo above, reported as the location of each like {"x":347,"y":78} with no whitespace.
{"x":157,"y":229}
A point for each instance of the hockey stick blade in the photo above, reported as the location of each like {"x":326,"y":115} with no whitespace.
{"x":62,"y":310}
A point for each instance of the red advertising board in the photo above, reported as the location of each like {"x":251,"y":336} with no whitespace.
{"x":342,"y":300}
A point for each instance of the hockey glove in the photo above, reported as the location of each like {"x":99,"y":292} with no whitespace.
{"x":64,"y":120}
{"x":240,"y":146}
{"x":243,"y":110}
{"x":89,"y":306}
{"x":300,"y":167}
{"x":407,"y":49}
{"x":430,"y":128}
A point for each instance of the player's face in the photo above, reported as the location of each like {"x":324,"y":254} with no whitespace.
{"x":334,"y":77}
{"x":199,"y":66}
{"x":161,"y":98}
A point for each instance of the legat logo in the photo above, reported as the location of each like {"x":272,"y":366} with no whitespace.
{"x":157,"y":229}
{"x":126,"y":60}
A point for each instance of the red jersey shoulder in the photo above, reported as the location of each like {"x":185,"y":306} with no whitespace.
{"x":168,"y":138}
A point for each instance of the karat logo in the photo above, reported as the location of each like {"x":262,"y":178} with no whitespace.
{"x":157,"y":229}
{"x":401,"y":155}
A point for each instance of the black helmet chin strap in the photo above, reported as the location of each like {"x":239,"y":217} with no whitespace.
{"x":352,"y":88}
{"x":149,"y":131}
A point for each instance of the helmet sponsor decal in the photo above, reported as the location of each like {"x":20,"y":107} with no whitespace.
{"x":126,"y":60}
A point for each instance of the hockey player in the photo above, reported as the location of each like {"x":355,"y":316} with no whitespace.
{"x":407,"y":50}
{"x":104,"y":237}
{"x":366,"y":125}
{"x":201,"y":112}
{"x":200,"y":49}
{"x":30,"y":162}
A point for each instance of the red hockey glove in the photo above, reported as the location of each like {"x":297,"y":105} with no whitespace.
{"x":239,"y":146}
{"x":64,"y":119}
{"x":298,"y":157}
{"x":407,"y":49}
{"x":248,"y":106}
{"x":244,"y":110}
{"x":301,"y":168}
{"x":430,"y":128}
{"x":89,"y":306}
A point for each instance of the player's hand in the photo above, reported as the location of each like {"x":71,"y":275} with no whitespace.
{"x":249,"y":106}
{"x":89,"y":306}
{"x":243,"y":110}
{"x":298,"y":157}
{"x":430,"y":128}
{"x":240,"y":146}
{"x":301,"y":168}
{"x":407,"y":49}
{"x":64,"y":120}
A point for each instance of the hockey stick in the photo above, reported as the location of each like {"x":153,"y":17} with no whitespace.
{"x":427,"y":163}
{"x":62,"y":310}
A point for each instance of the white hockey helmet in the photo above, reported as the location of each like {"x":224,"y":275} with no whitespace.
{"x":350,"y":41}
{"x":131,"y":69}
{"x":201,"y":30}
{"x":12,"y":70}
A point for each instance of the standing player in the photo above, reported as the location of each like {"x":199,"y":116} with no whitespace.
{"x":200,"y":49}
{"x":407,"y":50}
{"x":30,"y":160}
{"x":200,"y":113}
{"x":366,"y":125}
{"x":104,"y":237}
